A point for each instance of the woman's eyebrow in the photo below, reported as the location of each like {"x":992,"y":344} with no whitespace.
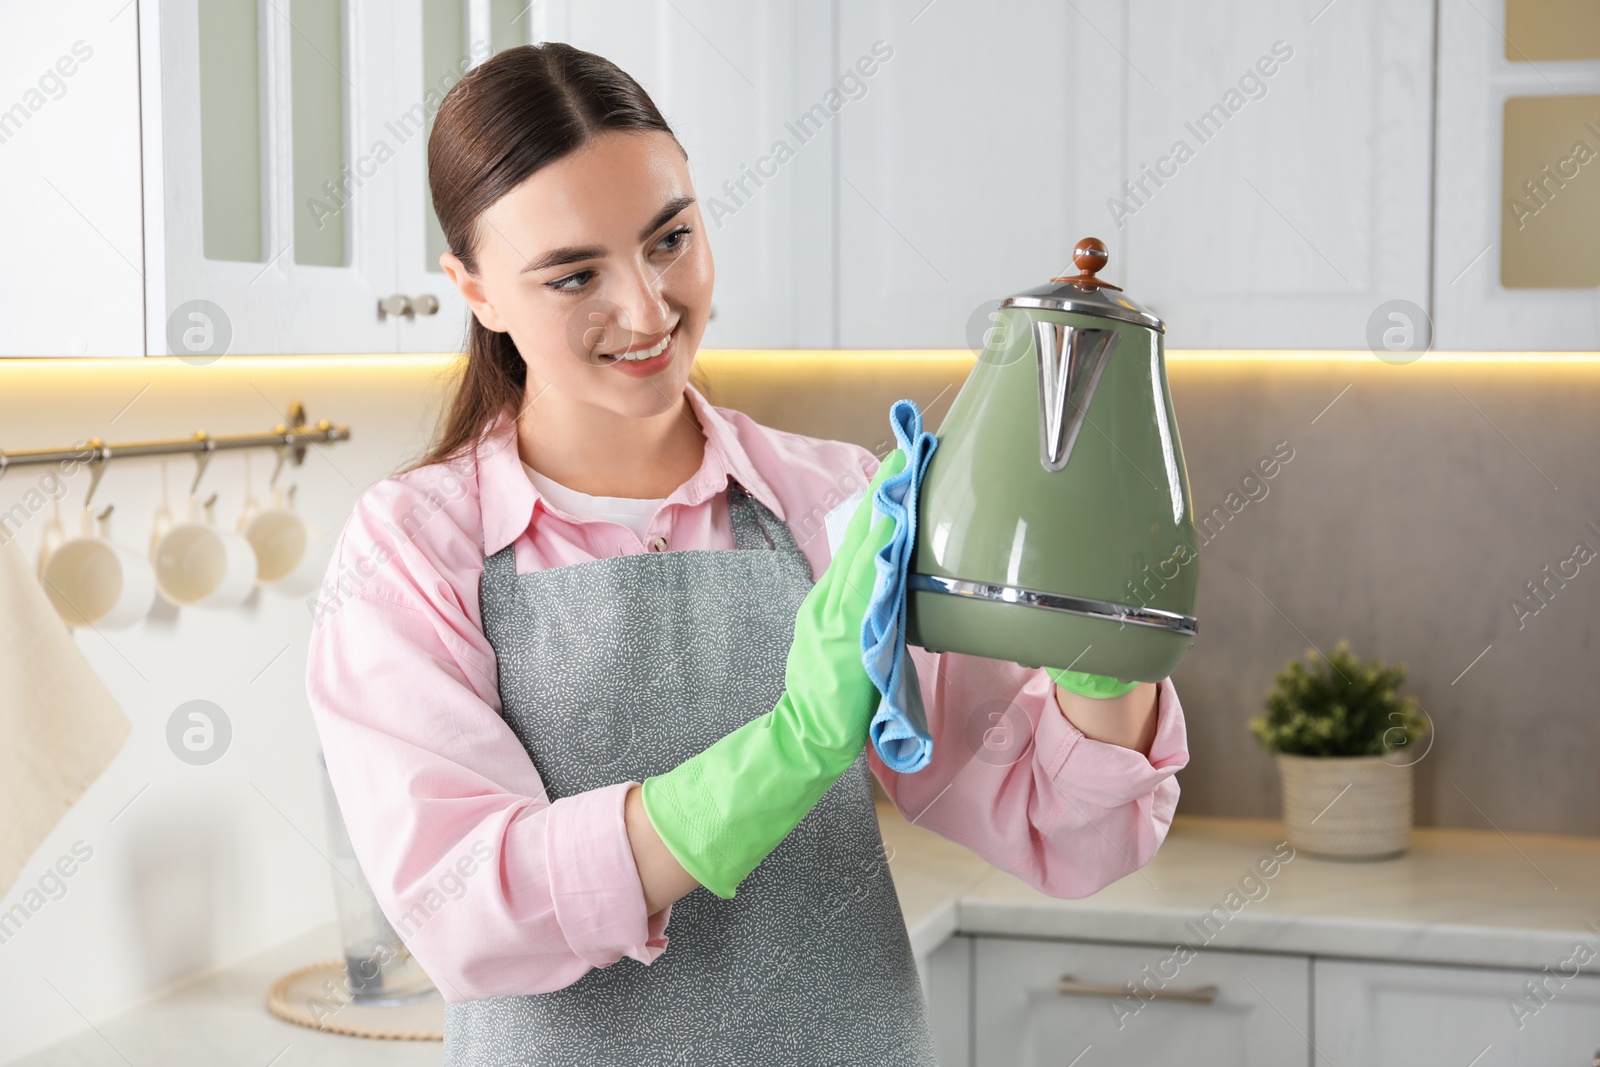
{"x":558,"y":257}
{"x":675,"y":205}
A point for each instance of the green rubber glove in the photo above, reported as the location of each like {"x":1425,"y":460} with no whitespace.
{"x":722,"y":811}
{"x":1090,"y":685}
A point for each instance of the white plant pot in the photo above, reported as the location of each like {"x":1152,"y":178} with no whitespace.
{"x":1347,"y":807}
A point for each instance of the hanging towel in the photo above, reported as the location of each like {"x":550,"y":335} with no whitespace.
{"x":899,"y":729}
{"x":59,"y":726}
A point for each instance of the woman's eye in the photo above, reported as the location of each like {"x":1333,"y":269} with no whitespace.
{"x":573,"y":281}
{"x":673,"y":241}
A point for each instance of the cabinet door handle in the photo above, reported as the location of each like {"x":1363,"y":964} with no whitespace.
{"x":397,"y":305}
{"x":401,"y":305}
{"x":1069,"y":986}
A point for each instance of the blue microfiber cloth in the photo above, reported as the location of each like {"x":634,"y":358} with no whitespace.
{"x":899,"y":729}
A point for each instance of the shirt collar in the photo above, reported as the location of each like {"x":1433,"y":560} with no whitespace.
{"x":509,"y":499}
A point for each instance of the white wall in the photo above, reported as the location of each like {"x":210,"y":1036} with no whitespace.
{"x":192,"y":866}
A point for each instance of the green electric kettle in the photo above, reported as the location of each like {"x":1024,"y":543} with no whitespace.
{"x":1054,"y":525}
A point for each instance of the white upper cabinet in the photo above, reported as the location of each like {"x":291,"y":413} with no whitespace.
{"x":1518,"y":193}
{"x":435,"y":43}
{"x":295,"y":198}
{"x":286,"y":171}
{"x":201,"y":177}
{"x":1276,"y":185}
{"x":752,"y":92}
{"x":977,"y":155}
{"x":71,"y":276}
{"x":1259,"y":170}
{"x":271,"y":223}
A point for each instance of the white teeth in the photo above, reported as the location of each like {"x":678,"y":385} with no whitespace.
{"x":648,"y":353}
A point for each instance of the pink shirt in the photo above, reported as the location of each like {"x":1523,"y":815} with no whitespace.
{"x":497,"y":890}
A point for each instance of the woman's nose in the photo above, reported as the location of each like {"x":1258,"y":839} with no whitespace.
{"x":641,"y":304}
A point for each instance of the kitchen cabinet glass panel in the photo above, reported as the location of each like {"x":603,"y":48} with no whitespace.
{"x":444,"y":27}
{"x":230,"y":129}
{"x":1550,"y":179}
{"x":1552,"y":29}
{"x":318,"y":79}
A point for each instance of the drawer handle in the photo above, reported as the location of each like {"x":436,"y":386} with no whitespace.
{"x":1069,"y":986}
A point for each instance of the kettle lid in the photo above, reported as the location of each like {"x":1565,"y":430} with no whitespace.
{"x":1084,"y":293}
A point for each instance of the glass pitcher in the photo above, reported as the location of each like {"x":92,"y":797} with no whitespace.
{"x":381,"y":970}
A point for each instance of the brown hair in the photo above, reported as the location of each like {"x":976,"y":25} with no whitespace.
{"x":519,"y":110}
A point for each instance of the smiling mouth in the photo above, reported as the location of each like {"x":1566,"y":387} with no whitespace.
{"x":640,"y":353}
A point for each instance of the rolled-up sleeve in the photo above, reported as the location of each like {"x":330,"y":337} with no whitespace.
{"x":1012,"y":779}
{"x":494,"y":889}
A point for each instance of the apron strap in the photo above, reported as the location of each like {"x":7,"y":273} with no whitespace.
{"x":755,"y":527}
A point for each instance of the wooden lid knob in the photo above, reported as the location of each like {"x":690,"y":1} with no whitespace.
{"x":1090,"y":257}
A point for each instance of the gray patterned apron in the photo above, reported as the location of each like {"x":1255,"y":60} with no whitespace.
{"x":619,"y":668}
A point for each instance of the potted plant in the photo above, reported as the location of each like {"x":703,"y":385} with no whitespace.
{"x":1343,"y":738}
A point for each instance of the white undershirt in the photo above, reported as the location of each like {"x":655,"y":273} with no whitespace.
{"x":631,"y":512}
{"x":839,"y":517}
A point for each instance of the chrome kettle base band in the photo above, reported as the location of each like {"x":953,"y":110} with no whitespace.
{"x":1108,"y":610}
{"x":1037,"y":629}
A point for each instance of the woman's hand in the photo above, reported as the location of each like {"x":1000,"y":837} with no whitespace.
{"x":1128,"y":720}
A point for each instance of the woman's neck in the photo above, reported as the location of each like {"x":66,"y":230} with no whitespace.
{"x":602,"y":453}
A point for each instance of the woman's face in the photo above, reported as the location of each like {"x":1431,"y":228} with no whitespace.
{"x":598,"y":254}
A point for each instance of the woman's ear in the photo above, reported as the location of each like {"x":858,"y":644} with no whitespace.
{"x":471,"y":291}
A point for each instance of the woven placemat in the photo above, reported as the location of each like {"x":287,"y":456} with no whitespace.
{"x":318,"y":997}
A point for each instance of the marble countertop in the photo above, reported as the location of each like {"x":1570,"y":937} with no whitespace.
{"x":1466,"y":897}
{"x":1463,"y":897}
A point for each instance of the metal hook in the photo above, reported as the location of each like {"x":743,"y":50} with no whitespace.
{"x":201,"y":459}
{"x":283,"y":454}
{"x":97,"y":466}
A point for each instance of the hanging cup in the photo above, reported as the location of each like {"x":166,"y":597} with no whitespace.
{"x":93,"y":581}
{"x":291,"y":554}
{"x":198,"y":563}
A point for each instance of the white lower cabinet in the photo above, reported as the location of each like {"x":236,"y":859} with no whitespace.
{"x":1377,"y":1014}
{"x":946,"y":975}
{"x":1063,"y":1003}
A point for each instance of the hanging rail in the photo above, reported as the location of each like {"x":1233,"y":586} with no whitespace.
{"x":291,"y":440}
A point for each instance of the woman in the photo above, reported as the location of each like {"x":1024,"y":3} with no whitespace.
{"x":520,"y":629}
